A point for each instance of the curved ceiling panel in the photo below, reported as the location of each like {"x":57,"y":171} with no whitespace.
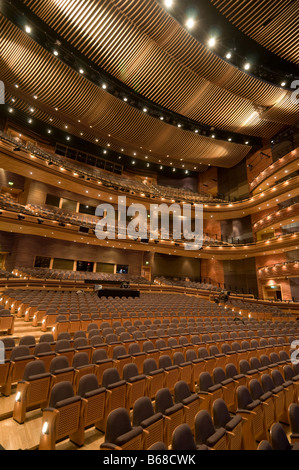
{"x":273,"y":24}
{"x":140,"y":44}
{"x":67,"y":96}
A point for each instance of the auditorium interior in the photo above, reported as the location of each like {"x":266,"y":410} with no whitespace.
{"x":137,"y":342}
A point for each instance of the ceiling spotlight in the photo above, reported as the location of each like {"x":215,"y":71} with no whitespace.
{"x":56,"y":53}
{"x":32,"y":110}
{"x":229,"y":139}
{"x":81,"y":71}
{"x":161,"y":118}
{"x":283,"y":84}
{"x":104,"y":86}
{"x":247,"y":142}
{"x":68,"y":138}
{"x":212,"y":42}
{"x":49,"y":131}
{"x":196,"y":131}
{"x":228,"y":55}
{"x":10,"y":110}
{"x":27,"y":29}
{"x":145,"y":110}
{"x":179,"y":125}
{"x":190,"y":23}
{"x":125,"y":99}
{"x":213,"y":136}
{"x":168,"y":3}
{"x":29,"y":121}
{"x":247,"y":66}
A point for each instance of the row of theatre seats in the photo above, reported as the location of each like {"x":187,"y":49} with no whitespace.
{"x":84,"y":394}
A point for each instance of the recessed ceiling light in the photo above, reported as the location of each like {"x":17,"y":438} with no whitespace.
{"x":190,"y":23}
{"x":125,"y":99}
{"x":104,"y":86}
{"x":247,"y":66}
{"x":28,"y":29}
{"x":81,"y":71}
{"x":56,"y":53}
{"x":228,"y":55}
{"x":168,"y":3}
{"x":212,"y":42}
{"x":283,"y":84}
{"x":145,"y":110}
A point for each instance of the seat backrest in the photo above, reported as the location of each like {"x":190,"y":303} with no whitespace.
{"x":218,"y":375}
{"x":130,"y":371}
{"x":178,"y":358}
{"x":278,"y":438}
{"x":88,"y":383}
{"x":99,"y":355}
{"x":41,"y":348}
{"x":181,"y":391}
{"x":148,"y":346}
{"x":182,"y":438}
{"x":62,"y":344}
{"x":149,"y":365}
{"x":165,"y":361}
{"x":142,"y":410}
{"x":243,"y":397}
{"x":59,"y":363}
{"x":163,"y":400}
{"x":255,"y":388}
{"x":202,"y":353}
{"x":277,"y":377}
{"x":255,"y":363}
{"x":46,"y":338}
{"x":267,"y":383}
{"x":19,"y":352}
{"x":205,"y":381}
{"x":191,"y":355}
{"x":118,"y":424}
{"x":244,"y":366}
{"x":119,"y":351}
{"x":134,"y":349}
{"x":34,"y":368}
{"x":221,"y":415}
{"x":27,"y":341}
{"x":294,"y":418}
{"x":60,"y":391}
{"x":80,"y":359}
{"x":110,"y":377}
{"x":204,"y":427}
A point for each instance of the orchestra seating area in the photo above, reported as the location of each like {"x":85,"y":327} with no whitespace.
{"x":159,"y":365}
{"x":149,"y":227}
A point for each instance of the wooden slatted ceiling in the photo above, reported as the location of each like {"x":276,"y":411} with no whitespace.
{"x":272,"y":23}
{"x":141,"y":45}
{"x":38,"y":72}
